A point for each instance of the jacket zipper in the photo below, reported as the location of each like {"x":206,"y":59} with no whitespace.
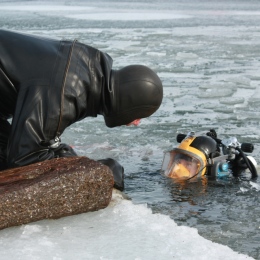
{"x":62,"y":90}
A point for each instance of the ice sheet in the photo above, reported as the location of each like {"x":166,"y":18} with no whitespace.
{"x":121,"y":231}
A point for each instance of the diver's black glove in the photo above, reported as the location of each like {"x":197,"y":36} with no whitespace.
{"x":118,"y":172}
{"x":63,"y":150}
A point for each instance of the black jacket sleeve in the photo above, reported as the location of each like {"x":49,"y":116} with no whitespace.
{"x":55,"y":83}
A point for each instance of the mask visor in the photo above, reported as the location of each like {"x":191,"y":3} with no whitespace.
{"x":180,"y":165}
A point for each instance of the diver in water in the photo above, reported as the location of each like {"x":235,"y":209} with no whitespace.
{"x":46,"y":85}
{"x":207,"y":155}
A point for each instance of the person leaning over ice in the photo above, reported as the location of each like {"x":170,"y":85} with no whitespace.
{"x":47,"y":85}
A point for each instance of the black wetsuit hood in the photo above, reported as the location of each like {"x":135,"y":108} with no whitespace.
{"x":134,"y":92}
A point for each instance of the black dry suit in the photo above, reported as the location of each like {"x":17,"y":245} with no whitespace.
{"x":47,"y":85}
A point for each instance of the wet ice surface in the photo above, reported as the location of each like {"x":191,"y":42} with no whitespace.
{"x":207,"y":55}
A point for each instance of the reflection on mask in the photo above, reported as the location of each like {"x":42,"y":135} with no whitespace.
{"x":181,"y":166}
{"x":178,"y":171}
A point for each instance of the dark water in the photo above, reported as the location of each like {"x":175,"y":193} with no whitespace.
{"x":207,"y":55}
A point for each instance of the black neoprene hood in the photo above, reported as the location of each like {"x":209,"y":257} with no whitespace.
{"x":205,"y":144}
{"x":134,"y":92}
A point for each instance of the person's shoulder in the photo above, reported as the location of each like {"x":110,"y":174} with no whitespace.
{"x":3,"y":32}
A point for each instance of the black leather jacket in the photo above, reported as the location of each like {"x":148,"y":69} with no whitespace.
{"x":45,"y":86}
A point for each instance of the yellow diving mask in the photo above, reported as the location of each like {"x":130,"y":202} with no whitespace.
{"x":184,"y":162}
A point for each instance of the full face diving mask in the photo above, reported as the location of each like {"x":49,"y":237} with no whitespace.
{"x":185,"y":161}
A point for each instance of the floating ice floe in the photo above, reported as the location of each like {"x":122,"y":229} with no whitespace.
{"x":186,"y":56}
{"x":232,"y":101}
{"x":241,"y":81}
{"x":214,"y":93}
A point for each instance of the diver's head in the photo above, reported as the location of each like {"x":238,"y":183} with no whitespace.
{"x":190,"y":158}
{"x":134,"y":92}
